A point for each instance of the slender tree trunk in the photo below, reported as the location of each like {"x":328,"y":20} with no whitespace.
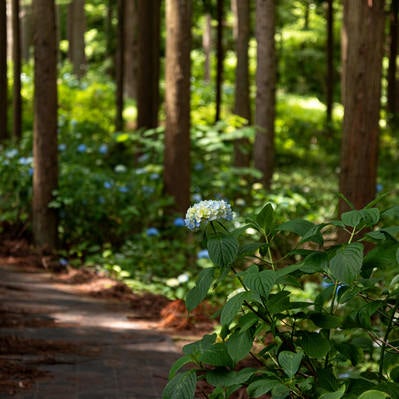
{"x":3,"y":72}
{"x":148,"y":73}
{"x":219,"y":58}
{"x":16,"y":57}
{"x":330,"y":66}
{"x":26,"y":31}
{"x":359,"y":152}
{"x":177,"y":103}
{"x":109,"y":37}
{"x":241,"y":100}
{"x":131,"y":49}
{"x":265,"y":89}
{"x":393,"y":52}
{"x":45,"y":176}
{"x":76,"y":32}
{"x":207,"y":45}
{"x":120,"y":66}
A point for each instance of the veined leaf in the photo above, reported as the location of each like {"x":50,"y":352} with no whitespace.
{"x":217,"y":355}
{"x":199,"y":292}
{"x":296,"y":226}
{"x":374,"y":394}
{"x":223,"y":249}
{"x":182,"y":386}
{"x":260,"y":282}
{"x":225,"y":378}
{"x":346,"y":264}
{"x":239,"y":345}
{"x":260,"y":387}
{"x":232,"y":306}
{"x":315,"y":344}
{"x":334,"y":395}
{"x":264,"y":218}
{"x":290,"y":362}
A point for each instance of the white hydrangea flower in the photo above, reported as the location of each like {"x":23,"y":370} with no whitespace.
{"x":206,"y":211}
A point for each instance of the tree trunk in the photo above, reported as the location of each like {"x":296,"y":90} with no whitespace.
{"x":177,"y":103}
{"x":265,"y":89}
{"x":26,"y":31}
{"x":3,"y":72}
{"x":393,"y":51}
{"x":16,"y":58}
{"x":76,"y":32}
{"x":330,"y":66}
{"x":207,"y":45}
{"x":45,"y":176}
{"x":241,"y":99}
{"x":131,"y":49}
{"x":219,"y":58}
{"x":119,"y":65}
{"x":363,"y":73}
{"x":148,"y":73}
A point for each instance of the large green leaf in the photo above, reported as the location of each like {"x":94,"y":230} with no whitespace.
{"x":297,"y":226}
{"x":260,"y":387}
{"x":315,"y":344}
{"x":223,"y":249}
{"x":373,"y":394}
{"x":334,"y":395}
{"x":199,"y":347}
{"x":239,"y":344}
{"x":290,"y":362}
{"x":199,"y":292}
{"x":264,"y":218}
{"x":182,"y":386}
{"x":226,"y":378}
{"x":260,"y":282}
{"x":217,"y":355}
{"x":346,"y":264}
{"x":325,"y":320}
{"x":232,"y":306}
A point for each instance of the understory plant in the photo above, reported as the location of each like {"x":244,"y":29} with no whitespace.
{"x":319,"y":321}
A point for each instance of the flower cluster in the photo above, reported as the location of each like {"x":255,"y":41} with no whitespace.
{"x":206,"y":211}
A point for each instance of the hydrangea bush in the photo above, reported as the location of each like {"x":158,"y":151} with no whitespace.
{"x":320,"y":321}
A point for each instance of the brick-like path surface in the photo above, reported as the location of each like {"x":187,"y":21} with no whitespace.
{"x":113,"y":358}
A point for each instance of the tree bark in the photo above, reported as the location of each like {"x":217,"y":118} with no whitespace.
{"x":148,"y":73}
{"x":207,"y":45}
{"x":76,"y":32}
{"x":330,"y":65}
{"x":131,"y":49}
{"x":241,"y":99}
{"x":393,"y":52}
{"x":219,"y":58}
{"x":45,"y":176}
{"x":16,"y":58}
{"x":363,"y":73}
{"x":119,"y":65}
{"x":177,"y":103}
{"x":265,"y":89}
{"x":3,"y":72}
{"x":26,"y":31}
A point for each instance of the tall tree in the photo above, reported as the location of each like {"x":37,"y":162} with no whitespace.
{"x":131,"y":49}
{"x":149,"y":14}
{"x":330,"y":64}
{"x":120,"y":70}
{"x":393,"y":52}
{"x":16,"y":58}
{"x":45,"y":176}
{"x":207,"y":45}
{"x":219,"y":57}
{"x":364,"y":26}
{"x":265,"y":89}
{"x":76,"y":32}
{"x":177,"y":103}
{"x":3,"y":71}
{"x":242,"y":107}
{"x":26,"y":31}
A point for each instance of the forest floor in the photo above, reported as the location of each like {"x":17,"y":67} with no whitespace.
{"x":150,"y":312}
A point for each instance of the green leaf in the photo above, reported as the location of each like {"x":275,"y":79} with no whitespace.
{"x":280,"y":391}
{"x":196,"y":295}
{"x":350,"y":351}
{"x":334,"y":395}
{"x":314,"y":263}
{"x":178,"y":364}
{"x":217,"y":355}
{"x":264,"y":218}
{"x":182,"y":386}
{"x":278,"y":302}
{"x":239,"y":344}
{"x":373,"y":394}
{"x":346,"y":264}
{"x":297,"y":226}
{"x":325,"y":320}
{"x":315,"y":344}
{"x":226,"y":378}
{"x":370,"y":216}
{"x":363,"y":316}
{"x":260,"y":387}
{"x":223,"y":249}
{"x":260,"y":282}
{"x":198,"y":347}
{"x":232,"y":306}
{"x":290,"y":362}
{"x":351,"y":218}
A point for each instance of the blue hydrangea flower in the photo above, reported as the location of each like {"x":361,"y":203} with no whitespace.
{"x":379,"y":188}
{"x":107,"y":185}
{"x":154,"y":176}
{"x":120,"y":168}
{"x":103,"y":149}
{"x":63,"y":262}
{"x":11,"y":153}
{"x":197,"y":198}
{"x":30,"y":171}
{"x":25,"y":161}
{"x":206,"y":211}
{"x":148,"y":190}
{"x":203,"y":254}
{"x":61,"y":147}
{"x":123,"y":189}
{"x":82,"y":148}
{"x":179,"y":222}
{"x":152,"y":231}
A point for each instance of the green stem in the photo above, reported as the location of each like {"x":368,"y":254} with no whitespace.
{"x":331,"y":312}
{"x":385,"y":341}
